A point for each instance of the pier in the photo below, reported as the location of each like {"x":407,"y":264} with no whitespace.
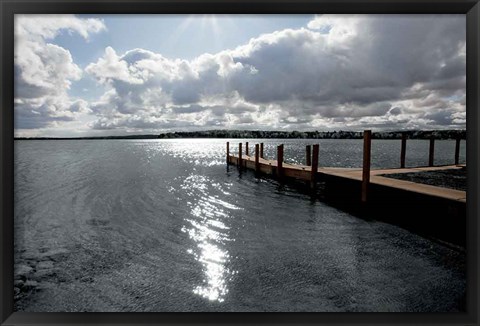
{"x":371,"y":189}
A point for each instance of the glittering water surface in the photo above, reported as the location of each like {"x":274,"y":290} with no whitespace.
{"x":165,"y":225}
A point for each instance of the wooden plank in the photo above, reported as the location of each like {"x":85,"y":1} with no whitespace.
{"x":431,"y":152}
{"x":457,"y":150}
{"x":403,"y":150}
{"x":296,"y":174}
{"x":416,"y":169}
{"x":308,"y":155}
{"x":446,"y":193}
{"x":280,"y":160}
{"x":367,"y":146}
{"x":246,"y":148}
{"x":249,"y":164}
{"x":261,"y":150}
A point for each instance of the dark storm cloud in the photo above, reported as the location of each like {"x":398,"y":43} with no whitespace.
{"x":395,"y":111}
{"x":440,"y":118}
{"x":26,"y":118}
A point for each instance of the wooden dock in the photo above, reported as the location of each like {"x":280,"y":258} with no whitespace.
{"x":313,"y":173}
{"x":434,"y":211}
{"x":303,"y":172}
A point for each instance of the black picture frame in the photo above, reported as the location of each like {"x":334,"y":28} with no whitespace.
{"x":471,"y":8}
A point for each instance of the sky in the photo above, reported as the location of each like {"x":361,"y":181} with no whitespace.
{"x":84,"y":75}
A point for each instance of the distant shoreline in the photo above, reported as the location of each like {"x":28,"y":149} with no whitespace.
{"x":258,"y":134}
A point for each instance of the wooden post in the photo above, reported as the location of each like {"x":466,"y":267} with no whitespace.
{"x":228,"y":152}
{"x":240,"y":154}
{"x":246,"y":148}
{"x":431,"y":152}
{"x":367,"y":146}
{"x":261,"y":150}
{"x":457,"y":150}
{"x":313,"y":176}
{"x":257,"y":163}
{"x":280,"y":160}
{"x":308,"y":153}
{"x":404,"y":150}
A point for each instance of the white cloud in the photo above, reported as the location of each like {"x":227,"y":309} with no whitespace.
{"x":44,"y":71}
{"x":110,"y":68}
{"x":47,"y":27}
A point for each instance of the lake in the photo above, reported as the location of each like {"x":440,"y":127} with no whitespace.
{"x":165,"y":225}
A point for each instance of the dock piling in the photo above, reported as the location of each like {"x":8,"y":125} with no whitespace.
{"x":261,"y":150}
{"x":228,"y":152}
{"x":246,"y":148}
{"x":431,"y":151}
{"x":314,"y":163}
{"x":257,"y":161}
{"x":280,"y":160}
{"x":240,"y":155}
{"x":457,"y":150}
{"x":308,"y":155}
{"x":367,"y":146}
{"x":404,"y":150}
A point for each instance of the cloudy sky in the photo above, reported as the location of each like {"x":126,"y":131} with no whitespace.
{"x":78,"y":75}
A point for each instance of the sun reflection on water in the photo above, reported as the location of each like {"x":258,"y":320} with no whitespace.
{"x":197,"y":151}
{"x":206,"y":227}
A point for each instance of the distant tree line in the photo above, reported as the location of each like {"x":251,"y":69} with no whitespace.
{"x":412,"y":134}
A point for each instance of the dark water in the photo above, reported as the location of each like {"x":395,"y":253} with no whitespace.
{"x":147,"y":225}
